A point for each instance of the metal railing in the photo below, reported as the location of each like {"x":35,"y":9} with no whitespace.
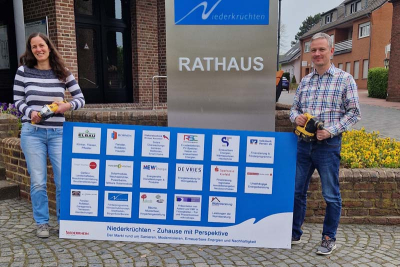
{"x":343,"y":46}
{"x":152,"y":88}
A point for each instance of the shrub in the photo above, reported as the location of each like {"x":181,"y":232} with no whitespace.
{"x":377,"y":82}
{"x":294,"y":79}
{"x":367,"y":150}
{"x":287,"y":75}
{"x":11,"y":109}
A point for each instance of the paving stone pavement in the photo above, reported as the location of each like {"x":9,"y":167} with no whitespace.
{"x":357,"y":245}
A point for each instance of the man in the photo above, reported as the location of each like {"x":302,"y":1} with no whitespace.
{"x":329,"y":94}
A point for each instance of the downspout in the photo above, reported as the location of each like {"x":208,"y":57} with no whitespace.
{"x":370,"y":41}
{"x":19,"y":26}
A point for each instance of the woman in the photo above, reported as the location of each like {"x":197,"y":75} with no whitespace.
{"x":42,"y":79}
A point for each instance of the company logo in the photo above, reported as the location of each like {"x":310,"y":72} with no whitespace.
{"x":205,"y":14}
{"x":258,"y":173}
{"x":75,"y":233}
{"x":76,"y":193}
{"x":215,"y":199}
{"x":119,"y":166}
{"x":92,"y":165}
{"x":149,"y":167}
{"x":159,"y":199}
{"x":187,"y":199}
{"x":189,"y":169}
{"x":153,"y":168}
{"x":117,"y":197}
{"x":253,"y":141}
{"x":225,"y":141}
{"x":165,"y":137}
{"x":221,"y":12}
{"x":87,"y":135}
{"x":145,"y":200}
{"x":190,"y":138}
{"x":114,"y":135}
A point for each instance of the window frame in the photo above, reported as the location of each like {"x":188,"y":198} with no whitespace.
{"x":362,"y":26}
{"x":365,"y":73}
{"x":328,"y":18}
{"x":356,"y":70}
{"x":307,"y":47}
{"x":353,"y":7}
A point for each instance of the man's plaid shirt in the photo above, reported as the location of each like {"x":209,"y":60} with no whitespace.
{"x":331,"y":97}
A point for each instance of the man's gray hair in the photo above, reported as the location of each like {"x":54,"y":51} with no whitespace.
{"x":323,"y":36}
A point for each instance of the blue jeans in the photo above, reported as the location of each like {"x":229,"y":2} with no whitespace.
{"x":325,"y":157}
{"x":36,"y":144}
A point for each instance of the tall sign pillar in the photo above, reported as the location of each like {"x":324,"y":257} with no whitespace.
{"x":221,"y":63}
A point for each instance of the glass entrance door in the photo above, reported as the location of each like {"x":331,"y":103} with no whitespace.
{"x":104,"y":50}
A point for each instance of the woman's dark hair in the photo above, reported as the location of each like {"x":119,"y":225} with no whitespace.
{"x":56,"y":62}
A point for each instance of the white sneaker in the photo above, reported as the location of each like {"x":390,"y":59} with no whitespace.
{"x":43,"y":231}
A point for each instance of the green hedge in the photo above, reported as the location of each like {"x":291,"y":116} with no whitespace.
{"x":378,"y":82}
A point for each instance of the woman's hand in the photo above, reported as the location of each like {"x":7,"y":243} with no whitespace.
{"x":34,"y":117}
{"x":62,"y":107}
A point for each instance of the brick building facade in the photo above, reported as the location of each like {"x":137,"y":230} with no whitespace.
{"x":144,"y":37}
{"x":361,"y":31}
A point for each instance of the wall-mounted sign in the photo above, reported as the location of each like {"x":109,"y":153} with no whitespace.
{"x":178,"y":185}
{"x":4,"y":52}
{"x":221,"y":58}
{"x":36,"y":26}
{"x":221,"y":12}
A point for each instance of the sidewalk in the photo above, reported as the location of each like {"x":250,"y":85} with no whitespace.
{"x":376,"y":114}
{"x":357,"y":245}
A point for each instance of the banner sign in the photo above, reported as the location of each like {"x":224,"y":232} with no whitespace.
{"x":221,"y":12}
{"x":221,"y":64}
{"x":177,"y":185}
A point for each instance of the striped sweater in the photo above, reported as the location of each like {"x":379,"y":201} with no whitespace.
{"x":34,"y":88}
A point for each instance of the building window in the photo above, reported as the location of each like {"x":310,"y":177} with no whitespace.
{"x":340,"y":66}
{"x":354,"y":7}
{"x":348,"y":67}
{"x":356,"y":69}
{"x":307,"y":47}
{"x":365,"y":69}
{"x":328,"y":18}
{"x":363,"y":30}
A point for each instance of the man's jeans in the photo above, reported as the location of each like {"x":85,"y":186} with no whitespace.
{"x":325,"y":157}
{"x":36,"y":143}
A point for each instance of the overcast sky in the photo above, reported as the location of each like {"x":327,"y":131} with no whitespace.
{"x":294,"y":12}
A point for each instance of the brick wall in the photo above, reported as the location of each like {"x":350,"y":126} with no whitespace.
{"x":369,"y":195}
{"x":162,"y":51}
{"x":394,"y":64}
{"x":145,"y":48}
{"x":381,"y":20}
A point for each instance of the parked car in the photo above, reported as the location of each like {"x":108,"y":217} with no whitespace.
{"x":285,"y":84}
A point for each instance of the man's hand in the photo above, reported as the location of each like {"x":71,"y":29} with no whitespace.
{"x":301,"y":120}
{"x":34,"y":117}
{"x":323,"y":134}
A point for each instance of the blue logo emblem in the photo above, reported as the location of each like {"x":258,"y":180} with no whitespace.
{"x":253,"y":141}
{"x":117,"y":197}
{"x":221,"y":12}
{"x":225,"y":140}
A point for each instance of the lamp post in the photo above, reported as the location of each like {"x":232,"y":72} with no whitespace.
{"x":386,"y":63}
{"x":279,"y":35}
